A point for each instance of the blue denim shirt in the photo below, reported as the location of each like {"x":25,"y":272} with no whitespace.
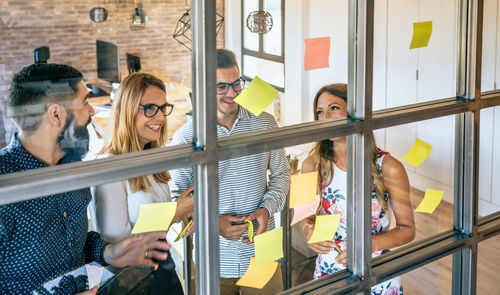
{"x":44,"y":237}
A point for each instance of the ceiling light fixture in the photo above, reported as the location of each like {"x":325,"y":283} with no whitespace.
{"x":260,"y":22}
{"x":138,"y":18}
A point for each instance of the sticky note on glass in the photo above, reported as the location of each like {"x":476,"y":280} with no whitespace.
{"x":430,"y":202}
{"x":268,"y":246}
{"x":421,"y":34}
{"x":257,"y":277}
{"x":325,"y":228}
{"x":94,"y":274}
{"x":303,"y":189}
{"x":418,"y":153}
{"x":154,"y":217}
{"x":317,"y":53}
{"x":257,"y":96}
{"x":301,"y":212}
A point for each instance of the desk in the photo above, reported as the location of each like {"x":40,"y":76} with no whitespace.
{"x":178,"y":95}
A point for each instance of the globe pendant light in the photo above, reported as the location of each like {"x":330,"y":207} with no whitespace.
{"x":260,"y":22}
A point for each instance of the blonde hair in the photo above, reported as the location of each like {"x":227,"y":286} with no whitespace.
{"x":323,"y":155}
{"x":123,"y":138}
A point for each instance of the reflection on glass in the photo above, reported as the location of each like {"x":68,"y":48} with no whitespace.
{"x":272,"y":40}
{"x":433,"y":278}
{"x":488,"y":255}
{"x":269,"y":71}
{"x":250,"y":40}
{"x":490,"y":77}
{"x":391,"y":194}
{"x":489,"y":161}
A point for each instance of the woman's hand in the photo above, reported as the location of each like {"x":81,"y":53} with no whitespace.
{"x":185,"y":205}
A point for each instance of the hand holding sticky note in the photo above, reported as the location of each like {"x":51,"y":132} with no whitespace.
{"x":325,"y":228}
{"x":268,"y":246}
{"x":257,"y":277}
{"x":257,"y":96}
{"x":430,"y":202}
{"x":154,"y":217}
{"x":421,"y":34}
{"x":303,"y":189}
{"x":418,"y":153}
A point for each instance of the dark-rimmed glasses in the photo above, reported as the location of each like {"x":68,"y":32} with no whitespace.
{"x":238,"y":85}
{"x":151,"y":109}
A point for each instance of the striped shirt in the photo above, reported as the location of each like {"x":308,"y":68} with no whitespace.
{"x":243,"y":185}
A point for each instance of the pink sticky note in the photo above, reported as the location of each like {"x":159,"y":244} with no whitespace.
{"x":317,"y":53}
{"x":303,"y":211}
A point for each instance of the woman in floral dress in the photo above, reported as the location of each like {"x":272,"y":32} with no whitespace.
{"x":391,"y":192}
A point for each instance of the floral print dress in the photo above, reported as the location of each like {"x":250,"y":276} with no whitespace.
{"x":333,"y":201}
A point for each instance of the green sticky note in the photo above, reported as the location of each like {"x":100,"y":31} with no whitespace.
{"x":303,"y":189}
{"x":325,"y":228}
{"x":418,"y":153}
{"x":430,"y":202}
{"x":257,"y":96}
{"x":421,"y":34}
{"x":268,"y":246}
{"x":154,"y":217}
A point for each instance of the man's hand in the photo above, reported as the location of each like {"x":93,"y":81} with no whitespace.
{"x":229,"y":231}
{"x":137,"y":250}
{"x":262,"y":216}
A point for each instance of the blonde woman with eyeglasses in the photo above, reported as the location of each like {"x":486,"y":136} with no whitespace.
{"x":139,"y":122}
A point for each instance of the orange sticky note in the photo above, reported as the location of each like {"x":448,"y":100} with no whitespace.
{"x":421,"y":34}
{"x":268,"y":246}
{"x":303,"y":189}
{"x":317,"y":53}
{"x":430,"y":202}
{"x":257,"y":277}
{"x":418,"y":153}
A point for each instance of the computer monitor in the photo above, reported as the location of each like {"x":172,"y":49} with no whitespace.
{"x":133,"y":63}
{"x":108,"y":61}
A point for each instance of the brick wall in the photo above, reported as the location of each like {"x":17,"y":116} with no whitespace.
{"x":65,"y":27}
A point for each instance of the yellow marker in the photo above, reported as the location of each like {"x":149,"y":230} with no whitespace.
{"x":324,"y":228}
{"x":303,"y":189}
{"x":184,"y":230}
{"x":154,"y":217}
{"x":430,"y":202}
{"x":421,"y":34}
{"x":268,"y":246}
{"x":250,"y":229}
{"x":337,"y":248}
{"x":257,"y":277}
{"x":257,"y":96}
{"x":418,"y":153}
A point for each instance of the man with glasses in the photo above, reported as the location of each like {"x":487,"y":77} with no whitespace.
{"x":244,"y":189}
{"x":48,"y":236}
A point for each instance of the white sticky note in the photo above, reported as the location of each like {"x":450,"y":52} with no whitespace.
{"x":94,"y":274}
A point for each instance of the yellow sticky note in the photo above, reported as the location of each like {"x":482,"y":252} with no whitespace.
{"x":303,"y":189}
{"x":418,"y":153}
{"x":154,"y":217}
{"x":421,"y":34}
{"x":257,"y":277}
{"x":257,"y":96}
{"x":325,"y":228}
{"x":268,"y":246}
{"x":430,"y":202}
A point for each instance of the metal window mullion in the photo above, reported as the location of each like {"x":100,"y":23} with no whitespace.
{"x":206,"y":182}
{"x":467,"y":144}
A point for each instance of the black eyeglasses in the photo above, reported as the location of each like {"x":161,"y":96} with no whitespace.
{"x":238,"y":85}
{"x":151,"y":109}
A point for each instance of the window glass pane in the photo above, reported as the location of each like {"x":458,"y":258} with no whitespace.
{"x":489,"y":161}
{"x":272,"y":40}
{"x":405,"y":76}
{"x":433,"y":278}
{"x":490,"y":78}
{"x":250,"y":40}
{"x":434,"y":174}
{"x":488,"y":254}
{"x":270,"y":71}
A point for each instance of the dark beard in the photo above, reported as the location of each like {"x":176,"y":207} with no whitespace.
{"x":74,"y":139}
